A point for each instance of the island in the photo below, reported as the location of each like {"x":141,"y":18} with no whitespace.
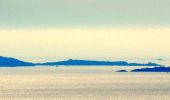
{"x":155,"y":69}
{"x":12,"y":62}
{"x":72,"y":62}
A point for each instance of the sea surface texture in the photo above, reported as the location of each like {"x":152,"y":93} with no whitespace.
{"x":81,"y":83}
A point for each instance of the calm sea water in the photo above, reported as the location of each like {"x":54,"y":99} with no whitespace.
{"x":81,"y":83}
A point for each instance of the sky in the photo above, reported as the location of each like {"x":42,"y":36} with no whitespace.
{"x":73,"y":13}
{"x":85,"y":29}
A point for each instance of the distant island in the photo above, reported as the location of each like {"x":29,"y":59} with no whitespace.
{"x":72,"y":62}
{"x":155,"y":69}
{"x":12,"y":62}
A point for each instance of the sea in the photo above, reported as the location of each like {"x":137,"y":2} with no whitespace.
{"x":82,"y":83}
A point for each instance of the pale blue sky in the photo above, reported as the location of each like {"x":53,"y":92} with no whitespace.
{"x":76,"y":13}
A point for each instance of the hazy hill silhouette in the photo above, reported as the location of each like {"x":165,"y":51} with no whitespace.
{"x":72,"y":62}
{"x":12,"y":62}
{"x":8,"y":61}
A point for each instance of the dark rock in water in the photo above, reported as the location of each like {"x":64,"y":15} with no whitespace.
{"x":155,"y":69}
{"x":12,"y":62}
{"x":159,"y":59}
{"x":122,"y":71}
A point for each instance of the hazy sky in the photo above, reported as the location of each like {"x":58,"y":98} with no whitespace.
{"x":61,"y":13}
{"x":85,"y":28}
